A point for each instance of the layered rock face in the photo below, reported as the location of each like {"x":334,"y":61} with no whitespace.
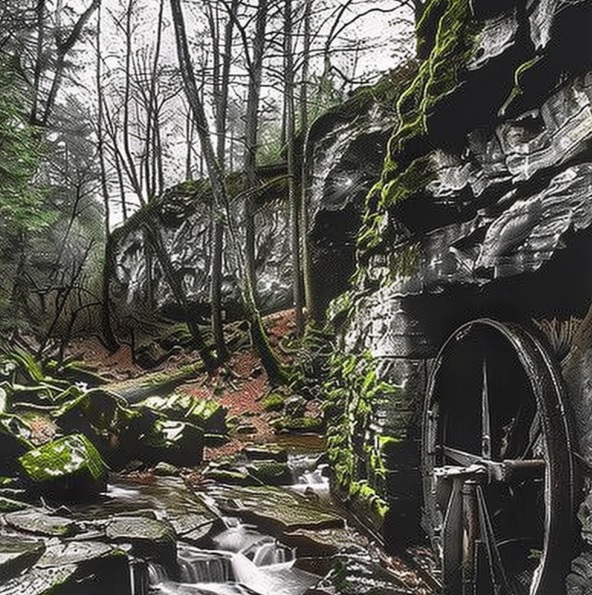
{"x":482,"y":210}
{"x":182,"y":217}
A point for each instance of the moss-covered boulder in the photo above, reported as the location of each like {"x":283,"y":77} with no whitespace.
{"x":203,"y":413}
{"x":69,"y":468}
{"x":106,"y":420}
{"x":14,"y":442}
{"x":175,"y":442}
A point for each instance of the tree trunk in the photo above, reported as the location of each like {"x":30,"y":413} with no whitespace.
{"x":107,"y":335}
{"x":276,"y":373}
{"x":290,"y":137}
{"x":176,"y":286}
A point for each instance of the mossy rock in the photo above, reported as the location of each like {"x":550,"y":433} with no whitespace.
{"x":69,"y":468}
{"x":300,"y":425}
{"x":207,"y":414}
{"x":271,"y":473}
{"x":175,"y":442}
{"x":229,"y":476}
{"x":265,"y":452}
{"x":106,"y":420}
{"x":15,"y":437}
{"x":273,"y":402}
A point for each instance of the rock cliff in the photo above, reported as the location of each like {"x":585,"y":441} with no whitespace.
{"x":482,"y":209}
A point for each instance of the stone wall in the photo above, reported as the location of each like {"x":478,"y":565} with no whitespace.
{"x":483,"y":206}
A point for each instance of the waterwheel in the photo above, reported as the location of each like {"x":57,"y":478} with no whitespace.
{"x":497,"y":464}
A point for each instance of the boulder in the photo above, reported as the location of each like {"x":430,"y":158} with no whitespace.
{"x":69,"y":468}
{"x":175,"y":442}
{"x":265,"y":452}
{"x":206,"y":414}
{"x":106,"y":420}
{"x":272,"y":473}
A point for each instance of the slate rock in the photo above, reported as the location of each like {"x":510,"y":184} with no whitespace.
{"x":42,"y":522}
{"x":150,"y":539}
{"x":275,"y":509}
{"x":82,"y":568}
{"x":18,"y":554}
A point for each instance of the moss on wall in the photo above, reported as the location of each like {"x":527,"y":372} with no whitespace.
{"x":353,"y":391}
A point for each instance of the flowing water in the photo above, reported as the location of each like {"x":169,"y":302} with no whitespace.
{"x":245,"y":561}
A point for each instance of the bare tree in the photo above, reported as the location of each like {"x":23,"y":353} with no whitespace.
{"x":276,"y":373}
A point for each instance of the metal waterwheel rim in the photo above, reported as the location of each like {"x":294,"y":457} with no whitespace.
{"x":478,"y":474}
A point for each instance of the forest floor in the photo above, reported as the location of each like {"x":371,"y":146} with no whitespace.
{"x":239,"y":385}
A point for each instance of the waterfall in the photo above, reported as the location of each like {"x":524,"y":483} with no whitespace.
{"x":204,"y":566}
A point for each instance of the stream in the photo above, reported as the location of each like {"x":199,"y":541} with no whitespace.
{"x":244,"y":561}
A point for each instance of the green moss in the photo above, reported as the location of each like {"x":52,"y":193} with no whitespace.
{"x":300,"y":424}
{"x":427,"y":26}
{"x":352,"y":392}
{"x":521,"y":76}
{"x":66,"y":456}
{"x":273,"y":402}
{"x":409,"y":182}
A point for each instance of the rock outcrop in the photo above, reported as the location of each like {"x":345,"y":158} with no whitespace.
{"x":482,"y":208}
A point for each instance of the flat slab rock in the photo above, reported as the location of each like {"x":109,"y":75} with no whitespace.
{"x":17,"y":554}
{"x":74,"y":568}
{"x":41,"y":522}
{"x":275,"y":509}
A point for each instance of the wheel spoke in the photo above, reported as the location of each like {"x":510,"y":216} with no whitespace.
{"x":499,"y":578}
{"x":485,"y":416}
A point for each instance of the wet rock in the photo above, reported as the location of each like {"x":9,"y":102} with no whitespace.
{"x":42,"y":522}
{"x":14,"y":442}
{"x":321,"y":542}
{"x":18,"y":554}
{"x":265,"y":452}
{"x":270,"y":472}
{"x":74,"y":569}
{"x":215,"y":440}
{"x":69,"y":468}
{"x":275,"y":509}
{"x":175,"y":442}
{"x":356,"y":573}
{"x":150,"y":539}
